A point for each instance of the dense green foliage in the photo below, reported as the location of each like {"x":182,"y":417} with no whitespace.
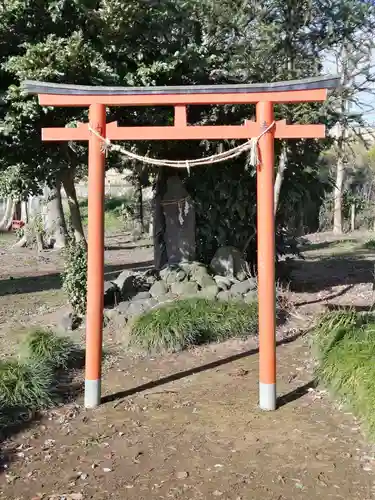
{"x":184,"y":323}
{"x":345,"y":345}
{"x":74,"y":276}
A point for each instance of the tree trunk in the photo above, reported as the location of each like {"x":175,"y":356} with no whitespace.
{"x":54,"y":220}
{"x":33,"y":232}
{"x":159,"y":224}
{"x":352,"y":217}
{"x":17,"y":214}
{"x":24,"y":212}
{"x":6,"y":222}
{"x":40,"y":243}
{"x":23,"y":241}
{"x":75,"y":213}
{"x":283,"y":160}
{"x":140,"y":206}
{"x":338,"y":190}
{"x":341,"y":137}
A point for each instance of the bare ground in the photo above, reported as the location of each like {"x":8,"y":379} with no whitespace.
{"x":187,"y":426}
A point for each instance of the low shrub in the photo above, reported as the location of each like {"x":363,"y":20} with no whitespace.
{"x":31,"y":383}
{"x":369,"y":244}
{"x":180,"y":324}
{"x":24,"y":387}
{"x":345,"y":342}
{"x":43,"y":346}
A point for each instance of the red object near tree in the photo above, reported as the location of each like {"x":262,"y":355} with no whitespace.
{"x":17,"y":224}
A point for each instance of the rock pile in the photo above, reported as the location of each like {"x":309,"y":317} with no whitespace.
{"x":134,"y":293}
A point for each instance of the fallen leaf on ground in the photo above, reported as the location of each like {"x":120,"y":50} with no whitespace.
{"x":182,"y":475}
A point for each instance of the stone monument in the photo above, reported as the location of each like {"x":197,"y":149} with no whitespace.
{"x":174,"y":224}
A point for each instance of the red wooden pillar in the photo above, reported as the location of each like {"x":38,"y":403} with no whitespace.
{"x":266,"y":259}
{"x":95,"y":264}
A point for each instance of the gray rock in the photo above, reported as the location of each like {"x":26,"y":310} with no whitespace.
{"x":116,"y":317}
{"x":135,"y":308}
{"x":150,"y":303}
{"x":138,"y":307}
{"x":130,"y":287}
{"x":191,"y":266}
{"x":199,"y":274}
{"x":163,"y":273}
{"x":133,"y":285}
{"x":209,"y":292}
{"x":222,"y":282}
{"x":241,"y":275}
{"x":187,"y":266}
{"x":173,"y":274}
{"x":69,"y":322}
{"x":184,"y":289}
{"x":121,"y":278}
{"x":207,"y":282}
{"x":166,"y":299}
{"x":253,"y":283}
{"x":251,"y":297}
{"x":111,"y":313}
{"x":240,"y":288}
{"x":123,"y":307}
{"x":224,"y":296}
{"x":150,"y":277}
{"x":112,"y":293}
{"x":228,"y":261}
{"x":159,"y":289}
{"x":142,"y":295}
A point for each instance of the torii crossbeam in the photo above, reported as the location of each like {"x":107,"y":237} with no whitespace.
{"x":265,"y":96}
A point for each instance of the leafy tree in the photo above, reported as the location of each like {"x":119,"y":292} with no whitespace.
{"x":170,"y":42}
{"x":350,"y":51}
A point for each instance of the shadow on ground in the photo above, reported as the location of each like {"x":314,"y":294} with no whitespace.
{"x":297,"y":393}
{"x":325,"y":298}
{"x":351,"y":307}
{"x":324,"y":273}
{"x":308,"y":247}
{"x":118,"y":397}
{"x":113,"y":248}
{"x":67,"y":388}
{"x":8,"y":454}
{"x":31,"y":284}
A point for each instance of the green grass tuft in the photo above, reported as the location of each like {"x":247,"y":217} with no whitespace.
{"x":44,"y":346}
{"x":184,"y":323}
{"x":345,"y":342}
{"x":369,"y":245}
{"x":24,"y":386}
{"x":331,"y":326}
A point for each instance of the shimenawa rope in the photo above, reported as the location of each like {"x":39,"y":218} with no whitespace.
{"x":251,"y":144}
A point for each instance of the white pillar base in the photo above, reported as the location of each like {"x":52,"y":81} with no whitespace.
{"x":267,"y":396}
{"x":92,"y":393}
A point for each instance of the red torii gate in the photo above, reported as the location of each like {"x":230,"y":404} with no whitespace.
{"x":265,"y":96}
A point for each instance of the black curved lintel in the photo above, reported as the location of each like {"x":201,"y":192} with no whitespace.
{"x":320,"y":82}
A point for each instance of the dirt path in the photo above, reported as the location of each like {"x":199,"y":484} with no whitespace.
{"x":187,"y":426}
